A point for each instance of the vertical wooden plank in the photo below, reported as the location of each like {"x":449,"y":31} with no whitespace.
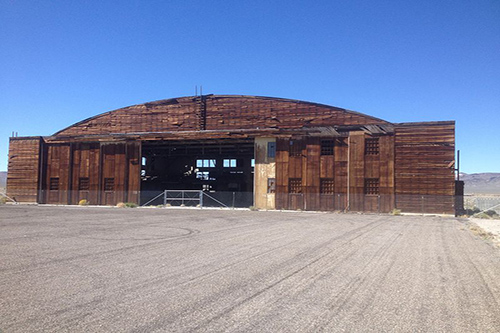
{"x":356,"y":171}
{"x":282,"y":173}
{"x":134,"y":171}
{"x":311,"y":174}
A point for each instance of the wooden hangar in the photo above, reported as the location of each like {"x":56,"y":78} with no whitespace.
{"x":286,"y":154}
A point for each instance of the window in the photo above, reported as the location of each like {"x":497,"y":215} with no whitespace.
{"x":271,"y":185}
{"x":54,"y":184}
{"x":229,"y":163}
{"x":372,"y":186}
{"x":203,"y":175}
{"x":109,"y":184}
{"x":144,"y":161}
{"x":371,"y":146}
{"x":252,"y":162}
{"x":327,"y":186}
{"x":327,"y":147}
{"x":83,"y":184}
{"x":295,"y":185}
{"x":205,"y":163}
{"x":295,"y":148}
{"x":271,"y":149}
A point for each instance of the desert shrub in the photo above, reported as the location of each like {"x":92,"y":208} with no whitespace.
{"x":395,"y":212}
{"x":120,"y":205}
{"x":472,"y":211}
{"x":83,"y":202}
{"x":3,"y":200}
{"x":490,"y":213}
{"x":130,"y":204}
{"x":253,"y":208}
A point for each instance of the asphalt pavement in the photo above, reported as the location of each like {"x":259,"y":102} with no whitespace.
{"x":85,"y":269}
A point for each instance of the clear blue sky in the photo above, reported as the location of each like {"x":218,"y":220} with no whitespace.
{"x":63,"y":61}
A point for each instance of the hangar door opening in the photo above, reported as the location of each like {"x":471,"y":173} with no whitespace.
{"x":223,"y":169}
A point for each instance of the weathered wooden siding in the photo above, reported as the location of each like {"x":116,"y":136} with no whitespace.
{"x":56,"y":182}
{"x":85,"y":173}
{"x":217,"y":113}
{"x":133,"y":149}
{"x":347,"y":167}
{"x":23,"y":169}
{"x":424,"y":164}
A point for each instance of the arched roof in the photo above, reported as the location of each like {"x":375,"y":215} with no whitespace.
{"x":217,"y":112}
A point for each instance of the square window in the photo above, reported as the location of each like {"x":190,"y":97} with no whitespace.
{"x":371,"y":146}
{"x":295,"y":185}
{"x":372,"y":186}
{"x":327,"y":186}
{"x":83,"y":184}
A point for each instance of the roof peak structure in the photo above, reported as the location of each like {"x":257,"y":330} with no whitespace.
{"x":217,"y":112}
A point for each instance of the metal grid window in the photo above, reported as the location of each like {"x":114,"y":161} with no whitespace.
{"x":295,"y":185}
{"x":327,"y":147}
{"x":54,"y":184}
{"x":295,"y":148}
{"x":327,"y":186}
{"x":109,"y":184}
{"x":372,"y":186}
{"x":371,"y":146}
{"x":83,"y":184}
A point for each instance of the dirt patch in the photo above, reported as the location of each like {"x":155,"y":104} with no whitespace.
{"x":486,"y":229}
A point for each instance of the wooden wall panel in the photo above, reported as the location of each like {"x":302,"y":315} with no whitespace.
{"x":134,"y":171}
{"x":113,"y":173}
{"x":356,"y":172}
{"x":85,"y":166}
{"x":311,"y":174}
{"x":424,"y":167}
{"x":282,"y":173}
{"x":57,"y":182}
{"x":386,"y":174}
{"x":23,"y":169}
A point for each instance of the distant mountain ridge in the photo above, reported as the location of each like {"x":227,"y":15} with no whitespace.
{"x":481,"y":183}
{"x":3,"y":178}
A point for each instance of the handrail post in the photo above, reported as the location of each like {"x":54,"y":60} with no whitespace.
{"x":201,"y":199}
{"x":165,"y":198}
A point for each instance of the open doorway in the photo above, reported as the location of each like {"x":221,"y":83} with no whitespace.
{"x":224,"y":169}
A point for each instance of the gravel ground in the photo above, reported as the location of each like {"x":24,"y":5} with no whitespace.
{"x":84,"y":269}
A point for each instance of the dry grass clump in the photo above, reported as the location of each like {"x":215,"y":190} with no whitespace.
{"x":83,"y":202}
{"x":478,"y":231}
{"x":395,"y":212}
{"x":126,"y":205}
